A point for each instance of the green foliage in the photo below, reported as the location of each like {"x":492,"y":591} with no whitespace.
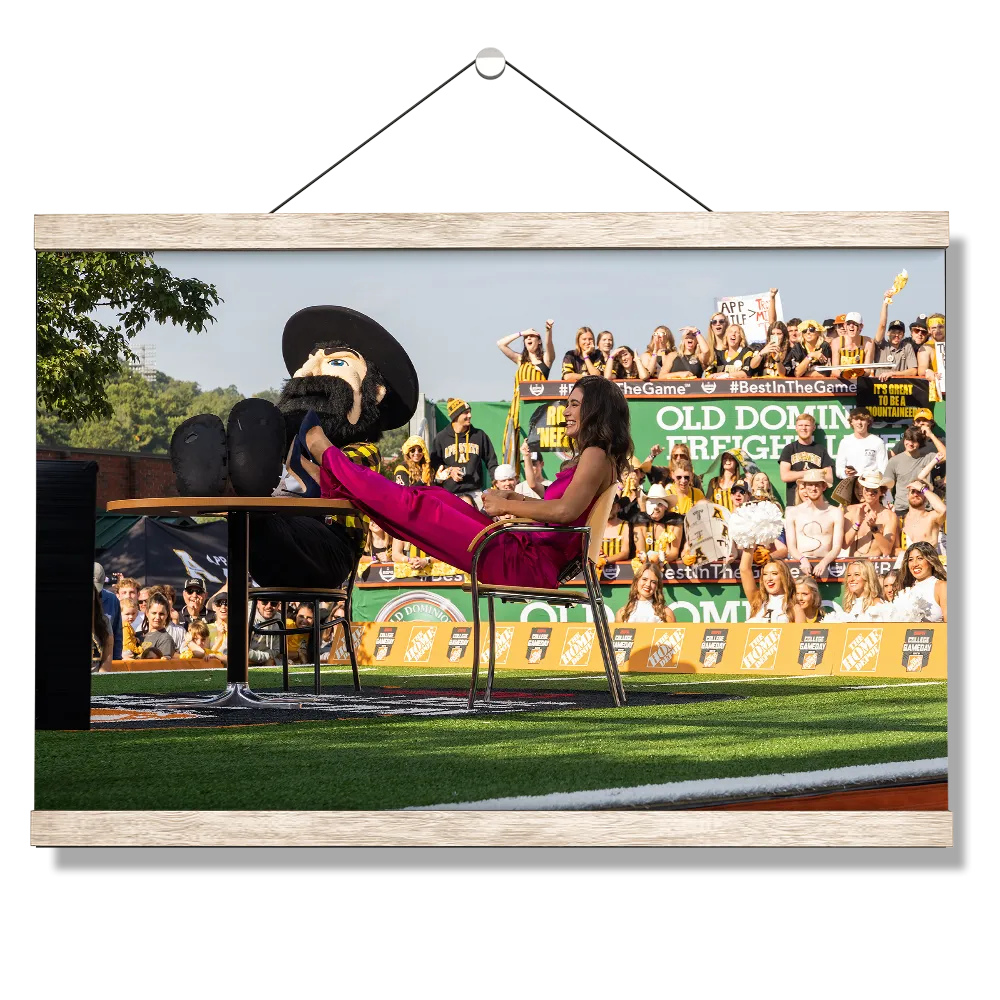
{"x":271,"y":395}
{"x":218,"y":401}
{"x":88,"y":308}
{"x":143,"y":414}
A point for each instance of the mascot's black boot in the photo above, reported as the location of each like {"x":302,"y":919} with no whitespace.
{"x":198,"y":456}
{"x":256,"y":447}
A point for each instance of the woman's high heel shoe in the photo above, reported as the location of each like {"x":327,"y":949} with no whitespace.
{"x":301,"y":463}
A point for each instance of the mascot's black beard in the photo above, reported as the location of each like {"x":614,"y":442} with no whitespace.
{"x":332,"y":398}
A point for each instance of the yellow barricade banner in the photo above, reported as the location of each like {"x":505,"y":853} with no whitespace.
{"x":881,"y":650}
{"x":865,"y":650}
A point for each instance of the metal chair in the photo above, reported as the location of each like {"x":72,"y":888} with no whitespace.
{"x":591,"y":535}
{"x":313,"y":596}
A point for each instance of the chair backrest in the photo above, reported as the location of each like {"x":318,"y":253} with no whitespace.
{"x":598,"y":520}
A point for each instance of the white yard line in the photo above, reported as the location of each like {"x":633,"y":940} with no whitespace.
{"x":878,"y":687}
{"x":714,"y":789}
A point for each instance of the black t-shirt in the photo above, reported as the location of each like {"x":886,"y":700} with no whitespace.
{"x":184,"y":616}
{"x":799,"y":352}
{"x":803,"y":456}
{"x":741,"y":360}
{"x":573,"y":364}
{"x":777,"y":367}
{"x":688,"y":364}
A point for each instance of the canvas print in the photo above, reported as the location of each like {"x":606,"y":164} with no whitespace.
{"x":494,"y":529}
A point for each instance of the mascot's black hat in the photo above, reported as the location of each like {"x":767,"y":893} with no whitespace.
{"x":318,"y":324}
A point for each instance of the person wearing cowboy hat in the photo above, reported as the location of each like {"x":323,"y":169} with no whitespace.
{"x":870,"y":528}
{"x":357,"y":381}
{"x":814,"y":529}
{"x":659,"y":537}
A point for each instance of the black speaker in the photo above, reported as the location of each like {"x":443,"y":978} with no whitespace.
{"x":66,"y":501}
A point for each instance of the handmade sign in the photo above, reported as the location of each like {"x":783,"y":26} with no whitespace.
{"x":707,"y":532}
{"x":750,"y":312}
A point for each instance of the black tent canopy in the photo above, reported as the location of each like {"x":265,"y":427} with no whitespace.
{"x":162,"y":550}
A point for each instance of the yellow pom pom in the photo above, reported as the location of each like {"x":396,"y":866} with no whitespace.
{"x":899,"y":283}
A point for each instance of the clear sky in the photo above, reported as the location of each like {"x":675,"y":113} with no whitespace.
{"x":449,"y":307}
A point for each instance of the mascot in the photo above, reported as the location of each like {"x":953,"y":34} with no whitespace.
{"x":360,"y":382}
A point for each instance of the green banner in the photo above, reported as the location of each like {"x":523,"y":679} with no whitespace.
{"x":689,"y":602}
{"x":489,"y":417}
{"x":761,"y":427}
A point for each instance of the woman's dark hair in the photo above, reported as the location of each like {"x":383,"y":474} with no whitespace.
{"x":632,"y":371}
{"x":604,"y":421}
{"x":158,"y":597}
{"x":100,"y":625}
{"x":526,"y":357}
{"x":906,"y":578}
{"x":786,"y":346}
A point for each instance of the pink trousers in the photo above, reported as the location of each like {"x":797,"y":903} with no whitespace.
{"x":442,"y":525}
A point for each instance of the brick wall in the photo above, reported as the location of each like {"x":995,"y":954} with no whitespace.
{"x":121,"y":475}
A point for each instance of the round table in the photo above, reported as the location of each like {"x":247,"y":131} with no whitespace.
{"x":237,"y":511}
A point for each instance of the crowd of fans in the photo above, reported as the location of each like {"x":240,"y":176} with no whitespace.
{"x":134,"y":622}
{"x":890,"y":505}
{"x":886,"y":503}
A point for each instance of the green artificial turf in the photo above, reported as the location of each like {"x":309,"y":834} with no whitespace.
{"x":391,"y":762}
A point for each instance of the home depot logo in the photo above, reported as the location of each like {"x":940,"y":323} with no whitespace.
{"x":418,"y":650}
{"x":665,"y":651}
{"x":861,"y":649}
{"x":761,"y":649}
{"x":577,"y":646}
{"x":340,"y":649}
{"x":504,"y":638}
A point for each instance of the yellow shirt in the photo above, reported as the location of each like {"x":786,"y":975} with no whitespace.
{"x":686,"y":502}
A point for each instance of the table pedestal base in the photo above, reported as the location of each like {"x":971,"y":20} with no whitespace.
{"x":239,"y":695}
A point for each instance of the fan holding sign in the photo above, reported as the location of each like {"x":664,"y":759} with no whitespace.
{"x":754,"y":313}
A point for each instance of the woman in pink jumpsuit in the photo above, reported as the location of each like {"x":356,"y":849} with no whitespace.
{"x":597,"y":420}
